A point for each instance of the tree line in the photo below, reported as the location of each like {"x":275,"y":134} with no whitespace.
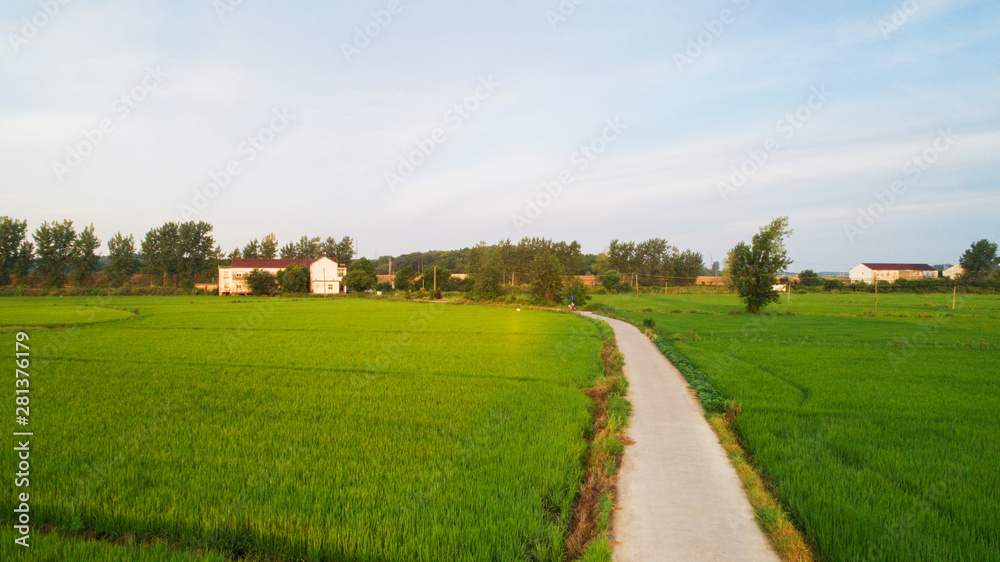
{"x":305,"y":249}
{"x":545,"y":264}
{"x":654,"y":262}
{"x":173,"y":253}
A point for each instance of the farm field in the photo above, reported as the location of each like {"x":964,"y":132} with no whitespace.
{"x":207,"y":427}
{"x":879,"y":434}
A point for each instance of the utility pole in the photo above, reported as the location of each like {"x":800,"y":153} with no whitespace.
{"x":876,"y":294}
{"x":954,"y":294}
{"x":391,"y":278}
{"x":435,"y":278}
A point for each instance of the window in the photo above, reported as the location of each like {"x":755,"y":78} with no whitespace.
{"x":329,"y":287}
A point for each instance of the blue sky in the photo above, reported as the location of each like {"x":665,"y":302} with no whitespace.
{"x":827,"y":108}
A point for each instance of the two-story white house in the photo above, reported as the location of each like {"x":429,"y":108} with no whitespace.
{"x":325,"y":274}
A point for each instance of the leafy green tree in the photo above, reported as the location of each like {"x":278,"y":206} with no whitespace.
{"x":508,"y":259}
{"x":12,"y":234}
{"x":622,"y":256}
{"x":358,"y":280}
{"x":235,"y":255}
{"x":570,"y":256}
{"x":443,"y":278}
{"x":361,"y":275}
{"x":261,"y":283}
{"x":344,"y":252}
{"x":25,"y":260}
{"x":294,"y":279}
{"x":85,"y":259}
{"x":329,"y":248}
{"x":686,"y":266}
{"x":832,"y":284}
{"x":269,"y":247}
{"x":54,"y":243}
{"x":576,"y":289}
{"x":979,"y":261}
{"x":159,"y":252}
{"x":611,"y":280}
{"x":753,"y":268}
{"x":179,"y":251}
{"x":121,"y":260}
{"x":252,"y":250}
{"x":809,"y":278}
{"x":488,"y":276}
{"x":600,"y":264}
{"x":404,"y":278}
{"x":363,"y":264}
{"x":308,"y":248}
{"x":198,"y":251}
{"x":546,"y":283}
{"x":288,"y":251}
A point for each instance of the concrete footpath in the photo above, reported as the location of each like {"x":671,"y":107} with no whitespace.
{"x":680,"y":498}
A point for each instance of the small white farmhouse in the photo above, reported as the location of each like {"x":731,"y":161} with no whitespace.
{"x":324,"y":274}
{"x":891,"y":272}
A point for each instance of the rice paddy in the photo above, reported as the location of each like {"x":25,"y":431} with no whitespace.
{"x":878,"y":433}
{"x":211,"y":428}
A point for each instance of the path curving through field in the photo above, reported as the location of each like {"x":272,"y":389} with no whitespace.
{"x":679,"y":497}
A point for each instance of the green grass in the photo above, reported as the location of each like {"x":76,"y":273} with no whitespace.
{"x":57,"y":546}
{"x":312,"y":429}
{"x":879,"y":434}
{"x":58,"y":311}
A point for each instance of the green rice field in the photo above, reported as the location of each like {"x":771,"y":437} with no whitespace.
{"x":879,"y":434}
{"x":209,"y":428}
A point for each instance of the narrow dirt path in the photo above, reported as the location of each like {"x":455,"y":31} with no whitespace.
{"x":680,"y":498}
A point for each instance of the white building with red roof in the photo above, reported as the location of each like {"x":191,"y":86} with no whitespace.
{"x":891,"y":272}
{"x":325,"y":274}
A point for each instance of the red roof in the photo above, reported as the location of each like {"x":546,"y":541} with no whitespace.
{"x":270,"y":264}
{"x":899,"y":266}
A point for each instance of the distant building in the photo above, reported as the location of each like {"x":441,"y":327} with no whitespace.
{"x":954,"y":271}
{"x":325,"y":274}
{"x":891,"y":272}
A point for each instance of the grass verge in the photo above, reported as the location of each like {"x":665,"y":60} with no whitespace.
{"x":589,"y":534}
